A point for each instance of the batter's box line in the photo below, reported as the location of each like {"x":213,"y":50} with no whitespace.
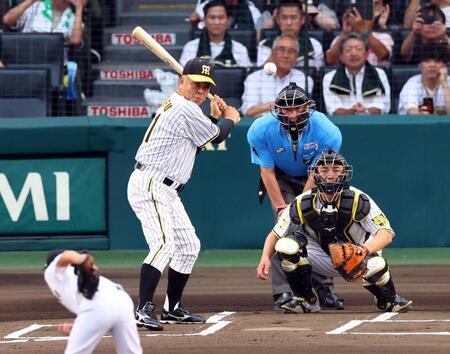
{"x":385,"y":318}
{"x":216,"y":321}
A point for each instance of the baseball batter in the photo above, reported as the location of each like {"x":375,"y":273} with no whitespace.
{"x":337,"y":214}
{"x":165,"y":161}
{"x":100,"y":305}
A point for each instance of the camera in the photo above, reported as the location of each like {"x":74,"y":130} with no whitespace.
{"x":428,"y":18}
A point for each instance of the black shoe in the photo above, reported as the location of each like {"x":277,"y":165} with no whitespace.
{"x":398,"y":305}
{"x":180,"y":315}
{"x":145,"y":317}
{"x":281,"y":299}
{"x":301,"y":305}
{"x":330,"y":300}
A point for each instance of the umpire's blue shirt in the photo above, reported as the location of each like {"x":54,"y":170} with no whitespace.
{"x":271,"y":146}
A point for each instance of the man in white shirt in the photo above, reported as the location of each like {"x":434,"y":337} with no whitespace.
{"x":290,"y":20}
{"x":251,"y":18}
{"x":356,"y":87}
{"x":261,"y":89}
{"x":48,"y":16}
{"x":99,"y":304}
{"x":215,"y":42}
{"x":428,"y":92}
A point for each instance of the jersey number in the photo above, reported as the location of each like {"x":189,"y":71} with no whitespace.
{"x":151,"y":127}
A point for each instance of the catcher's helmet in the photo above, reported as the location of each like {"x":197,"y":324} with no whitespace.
{"x":331,"y":157}
{"x":293,"y":96}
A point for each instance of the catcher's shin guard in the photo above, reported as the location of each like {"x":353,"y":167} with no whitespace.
{"x":292,"y":253}
{"x":377,"y":272}
{"x":379,"y":282}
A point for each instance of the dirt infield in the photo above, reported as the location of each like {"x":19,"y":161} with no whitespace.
{"x":244,"y":321}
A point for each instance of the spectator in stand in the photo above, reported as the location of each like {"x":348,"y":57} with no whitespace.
{"x":261,"y":89}
{"x":48,"y":16}
{"x":215,"y":42}
{"x":290,"y":19}
{"x":428,"y":27}
{"x":380,"y":43}
{"x":244,"y":15}
{"x":428,"y":92}
{"x":414,"y":6}
{"x":54,"y":16}
{"x":320,"y":16}
{"x":356,"y":87}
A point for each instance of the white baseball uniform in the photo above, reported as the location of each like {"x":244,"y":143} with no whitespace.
{"x":111,"y":309}
{"x":358,"y":231}
{"x":165,"y":162}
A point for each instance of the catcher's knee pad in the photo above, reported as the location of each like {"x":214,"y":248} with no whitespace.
{"x":377,"y":272}
{"x":292,"y":252}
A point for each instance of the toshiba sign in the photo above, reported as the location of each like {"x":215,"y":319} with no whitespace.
{"x":126,"y":74}
{"x":120,"y":111}
{"x":128,"y":39}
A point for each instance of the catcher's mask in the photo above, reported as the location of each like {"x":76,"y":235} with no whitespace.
{"x":332,"y":186}
{"x":293,"y":109}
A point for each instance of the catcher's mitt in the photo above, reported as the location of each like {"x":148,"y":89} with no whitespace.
{"x":87,"y":277}
{"x":349,"y":260}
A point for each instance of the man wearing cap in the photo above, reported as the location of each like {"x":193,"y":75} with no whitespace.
{"x":164,"y":164}
{"x":100,"y":305}
{"x":428,"y":92}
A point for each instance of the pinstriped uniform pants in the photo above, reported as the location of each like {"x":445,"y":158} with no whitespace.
{"x":167,"y":228}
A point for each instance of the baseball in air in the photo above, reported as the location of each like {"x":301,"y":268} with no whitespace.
{"x":270,"y":68}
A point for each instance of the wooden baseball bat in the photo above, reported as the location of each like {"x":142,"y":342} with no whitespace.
{"x":157,"y":49}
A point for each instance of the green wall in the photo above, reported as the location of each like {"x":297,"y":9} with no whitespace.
{"x":400,"y":161}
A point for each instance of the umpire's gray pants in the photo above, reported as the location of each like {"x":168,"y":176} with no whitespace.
{"x":290,"y":188}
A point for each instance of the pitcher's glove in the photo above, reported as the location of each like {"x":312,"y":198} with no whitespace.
{"x":87,"y":277}
{"x":349,"y":260}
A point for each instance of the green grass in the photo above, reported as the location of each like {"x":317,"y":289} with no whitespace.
{"x":215,"y":258}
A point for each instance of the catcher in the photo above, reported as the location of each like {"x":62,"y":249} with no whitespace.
{"x":332,"y":229}
{"x":100,"y":305}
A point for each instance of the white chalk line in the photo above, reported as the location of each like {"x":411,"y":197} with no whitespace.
{"x":17,"y":336}
{"x":216,"y":319}
{"x":385,"y":318}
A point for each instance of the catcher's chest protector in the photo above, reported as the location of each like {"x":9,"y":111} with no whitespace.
{"x":348,"y":212}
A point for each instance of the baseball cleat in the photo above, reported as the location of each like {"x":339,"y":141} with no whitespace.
{"x":281,"y":299}
{"x":398,"y":305}
{"x":330,"y":300}
{"x":301,"y":305}
{"x":145,"y":317}
{"x":180,"y":315}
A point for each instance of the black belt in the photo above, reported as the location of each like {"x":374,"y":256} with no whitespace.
{"x":167,"y":181}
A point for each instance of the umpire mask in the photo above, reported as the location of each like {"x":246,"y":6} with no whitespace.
{"x":293,"y":109}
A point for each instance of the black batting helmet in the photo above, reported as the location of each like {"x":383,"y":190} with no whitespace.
{"x":330,"y":157}
{"x":293,"y":96}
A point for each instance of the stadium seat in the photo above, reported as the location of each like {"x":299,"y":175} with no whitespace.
{"x":398,"y":36}
{"x":24,"y":92}
{"x":230,"y":86}
{"x":37,"y":50}
{"x":230,"y":82}
{"x":400,"y":74}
